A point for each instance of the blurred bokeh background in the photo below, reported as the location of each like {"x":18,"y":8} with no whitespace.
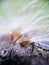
{"x":24,"y":14}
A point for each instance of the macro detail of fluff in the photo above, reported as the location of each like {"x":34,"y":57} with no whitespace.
{"x":28,"y":43}
{"x":31,"y":53}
